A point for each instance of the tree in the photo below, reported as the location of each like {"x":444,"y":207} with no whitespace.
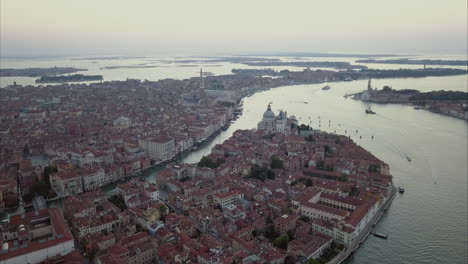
{"x":327,"y":149}
{"x":184,"y":179}
{"x":276,"y":163}
{"x":281,"y":241}
{"x":327,"y":253}
{"x":255,"y":233}
{"x":307,"y":182}
{"x":218,"y":206}
{"x":320,"y":165}
{"x":354,"y":191}
{"x":343,"y":177}
{"x":40,"y":187}
{"x":387,"y":88}
{"x":207,"y":162}
{"x":118,"y":201}
{"x":164,"y":187}
{"x":269,"y":220}
{"x":46,"y":173}
{"x":315,"y":261}
{"x":162,"y":210}
{"x":139,"y":228}
{"x":337,"y":140}
{"x":261,"y":173}
{"x":290,"y":260}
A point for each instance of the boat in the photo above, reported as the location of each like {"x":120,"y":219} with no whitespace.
{"x":326,"y":87}
{"x":401,"y":189}
{"x":408,"y":158}
{"x":369,"y":111}
{"x":418,"y":107}
{"x":381,"y":235}
{"x":238,"y":111}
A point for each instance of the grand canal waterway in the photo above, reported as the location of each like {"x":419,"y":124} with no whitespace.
{"x":426,"y":224}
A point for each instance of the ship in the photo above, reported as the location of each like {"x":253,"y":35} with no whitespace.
{"x":369,"y":111}
{"x":326,"y":87}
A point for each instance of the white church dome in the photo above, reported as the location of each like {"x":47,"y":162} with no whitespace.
{"x":268,"y":113}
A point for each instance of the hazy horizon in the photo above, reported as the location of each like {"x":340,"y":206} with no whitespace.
{"x":52,"y":28}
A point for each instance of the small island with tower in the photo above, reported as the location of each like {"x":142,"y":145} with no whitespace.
{"x":451,"y":103}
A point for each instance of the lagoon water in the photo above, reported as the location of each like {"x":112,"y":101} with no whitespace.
{"x":426,"y":224}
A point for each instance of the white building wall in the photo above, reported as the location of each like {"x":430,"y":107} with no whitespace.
{"x":43,"y":254}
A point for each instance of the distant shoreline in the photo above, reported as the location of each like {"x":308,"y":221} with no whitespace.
{"x":36,"y":72}
{"x":69,"y":78}
{"x":417,"y":62}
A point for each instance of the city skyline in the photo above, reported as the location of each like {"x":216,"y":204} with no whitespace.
{"x":30,"y":28}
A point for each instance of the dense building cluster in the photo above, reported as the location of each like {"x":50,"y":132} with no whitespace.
{"x":321,"y":188}
{"x":95,"y":134}
{"x":278,"y":193}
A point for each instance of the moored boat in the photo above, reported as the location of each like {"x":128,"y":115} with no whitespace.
{"x":381,"y":235}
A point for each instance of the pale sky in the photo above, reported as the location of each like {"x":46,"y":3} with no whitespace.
{"x":139,"y":27}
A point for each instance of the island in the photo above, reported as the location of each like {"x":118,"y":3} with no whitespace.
{"x":315,"y":64}
{"x":220,"y":59}
{"x":323,"y":55}
{"x":128,"y":67}
{"x":451,"y":103}
{"x":109,"y":58}
{"x":36,"y":72}
{"x":69,"y":78}
{"x":416,"y":62}
{"x":310,"y":76}
{"x":400,"y":73}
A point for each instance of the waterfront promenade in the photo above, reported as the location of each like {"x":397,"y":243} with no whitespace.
{"x":340,"y":258}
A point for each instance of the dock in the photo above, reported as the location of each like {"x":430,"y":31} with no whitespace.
{"x":353,"y":94}
{"x":380,"y":235}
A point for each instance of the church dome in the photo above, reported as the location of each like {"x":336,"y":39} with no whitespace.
{"x":268,"y":113}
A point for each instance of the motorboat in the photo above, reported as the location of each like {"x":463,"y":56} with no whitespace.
{"x":369,"y":111}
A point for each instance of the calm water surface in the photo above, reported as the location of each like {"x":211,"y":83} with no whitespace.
{"x":428,"y":223}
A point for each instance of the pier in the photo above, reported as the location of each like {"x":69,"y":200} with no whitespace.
{"x":353,"y":94}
